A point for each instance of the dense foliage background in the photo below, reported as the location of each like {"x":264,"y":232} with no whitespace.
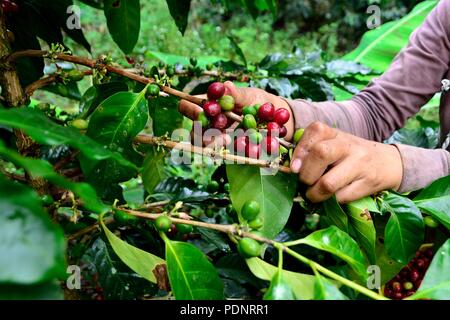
{"x":75,"y":197}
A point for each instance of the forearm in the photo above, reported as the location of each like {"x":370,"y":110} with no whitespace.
{"x":422,"y":166}
{"x":346,"y":116}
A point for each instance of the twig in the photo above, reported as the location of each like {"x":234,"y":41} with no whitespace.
{"x":66,"y":160}
{"x":89,"y":229}
{"x":210,"y":153}
{"x":93,"y":64}
{"x":235,"y":230}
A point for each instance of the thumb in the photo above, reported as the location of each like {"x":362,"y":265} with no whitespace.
{"x":240,"y":95}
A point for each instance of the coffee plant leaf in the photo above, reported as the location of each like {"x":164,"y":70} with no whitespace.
{"x":165,"y":115}
{"x":32,"y":247}
{"x":43,"y":169}
{"x":50,"y":133}
{"x":153,"y":171}
{"x":50,"y":290}
{"x":435,"y":200}
{"x":436,"y":283}
{"x":279,"y":288}
{"x":114,"y":124}
{"x":191,"y":275}
{"x":116,"y":279}
{"x":95,"y":95}
{"x":340,"y":244}
{"x":179,"y":10}
{"x":302,"y":284}
{"x":404,"y":232}
{"x":138,"y":260}
{"x":326,"y":290}
{"x":335,"y":215}
{"x":274,"y":193}
{"x":124,"y":22}
{"x":360,"y":220}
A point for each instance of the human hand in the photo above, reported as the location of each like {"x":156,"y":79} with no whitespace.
{"x":332,"y":162}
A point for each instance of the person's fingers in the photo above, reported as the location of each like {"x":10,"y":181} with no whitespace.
{"x":241,"y":95}
{"x":189,"y":109}
{"x":339,"y":177}
{"x":313,"y":134}
{"x":354,"y":191}
{"x":320,"y":156}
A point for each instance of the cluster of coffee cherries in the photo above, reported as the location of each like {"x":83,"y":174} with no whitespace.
{"x":410,"y":277}
{"x":256,"y":119}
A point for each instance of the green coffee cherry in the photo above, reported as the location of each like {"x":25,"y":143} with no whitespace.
{"x":256,"y":223}
{"x":153,"y":90}
{"x":75,"y":75}
{"x":283,"y":150}
{"x":430,"y":222}
{"x":213,"y":186}
{"x":80,"y":124}
{"x":193,"y":61}
{"x":226,"y":103}
{"x":184,"y":228}
{"x":47,"y":200}
{"x":249,"y":122}
{"x":170,"y":71}
{"x":163,"y":224}
{"x":209,"y":67}
{"x":250,"y":210}
{"x":249,"y":248}
{"x":298,"y":135}
{"x":226,"y":187}
{"x":210,"y":213}
{"x":203,"y":119}
{"x":123,"y":218}
{"x":255,"y":137}
{"x":197,"y":212}
{"x":249,"y":110}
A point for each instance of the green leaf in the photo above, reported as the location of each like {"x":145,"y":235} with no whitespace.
{"x":165,"y":115}
{"x":326,"y":290}
{"x":191,"y":275}
{"x":301,"y":284}
{"x":43,"y":169}
{"x":31,"y":246}
{"x":140,"y":261}
{"x":435,"y":200}
{"x":179,"y":10}
{"x":334,"y":214}
{"x":378,"y":47}
{"x":339,"y":243}
{"x":274,"y":193}
{"x":43,"y":291}
{"x":237,"y":49}
{"x":114,"y":124}
{"x":48,"y":132}
{"x":124,"y":22}
{"x":436,"y":283}
{"x":280,"y":288}
{"x":153,"y":171}
{"x":362,"y":223}
{"x":95,"y":95}
{"x":404,"y":231}
{"x":116,"y":279}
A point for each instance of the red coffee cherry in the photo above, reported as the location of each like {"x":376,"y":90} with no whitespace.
{"x":281,"y":116}
{"x":220,"y":121}
{"x":283,"y":132}
{"x":216,"y":90}
{"x":240,"y":145}
{"x":266,"y":112}
{"x":253,"y":150}
{"x":271,"y":144}
{"x":273,"y":129}
{"x":212,"y":108}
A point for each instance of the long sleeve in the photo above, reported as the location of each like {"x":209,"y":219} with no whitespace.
{"x":387,"y":102}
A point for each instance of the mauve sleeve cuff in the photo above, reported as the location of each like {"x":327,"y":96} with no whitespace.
{"x":422,"y":166}
{"x":346,"y":116}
